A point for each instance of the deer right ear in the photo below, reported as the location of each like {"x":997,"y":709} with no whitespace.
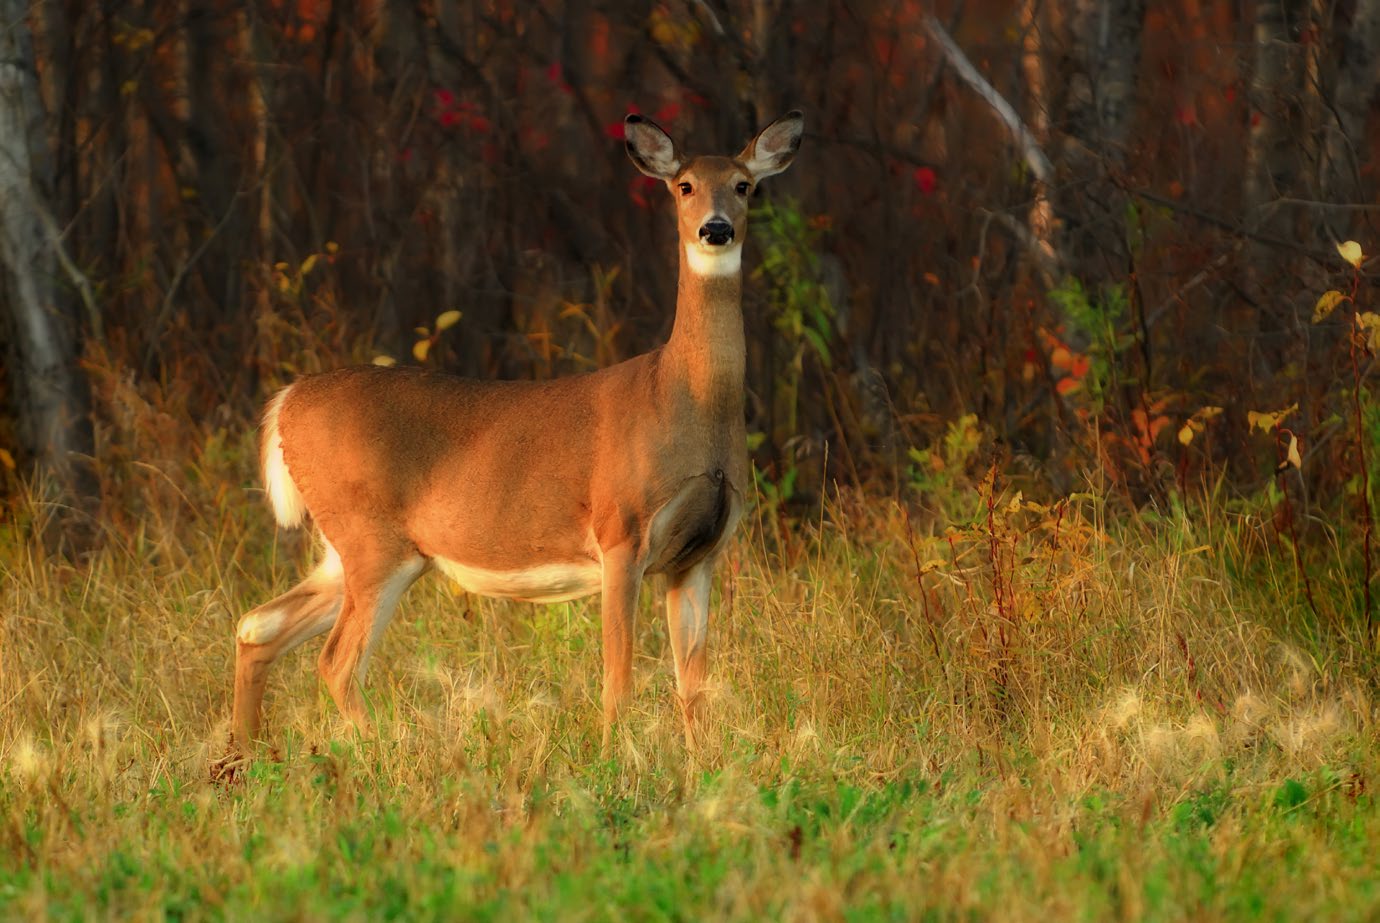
{"x":774,"y":147}
{"x":651,"y":149}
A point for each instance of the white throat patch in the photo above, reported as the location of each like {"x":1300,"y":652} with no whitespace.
{"x":720,"y":261}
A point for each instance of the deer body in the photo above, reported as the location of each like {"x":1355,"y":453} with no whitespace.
{"x":543,"y":491}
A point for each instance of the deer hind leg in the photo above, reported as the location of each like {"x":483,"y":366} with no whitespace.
{"x":373,"y":584}
{"x":687,"y":622}
{"x":618,"y":608}
{"x":271,"y":630}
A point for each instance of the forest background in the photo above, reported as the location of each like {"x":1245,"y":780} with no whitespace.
{"x":203,"y":200}
{"x":1056,"y":592}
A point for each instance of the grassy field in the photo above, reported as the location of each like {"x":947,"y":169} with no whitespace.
{"x":998,"y":710}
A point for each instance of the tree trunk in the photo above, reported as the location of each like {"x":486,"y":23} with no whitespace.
{"x":49,"y":388}
{"x":1041,"y":217}
{"x":1358,"y":76}
{"x":1271,"y":155}
{"x":1102,"y":42}
{"x":1100,"y":61}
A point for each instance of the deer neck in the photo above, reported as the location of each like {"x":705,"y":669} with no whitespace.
{"x":706,"y":348}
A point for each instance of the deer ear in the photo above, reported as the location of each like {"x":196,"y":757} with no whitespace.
{"x":774,"y":147}
{"x":651,"y":149}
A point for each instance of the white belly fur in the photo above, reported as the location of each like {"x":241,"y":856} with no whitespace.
{"x":544,"y":583}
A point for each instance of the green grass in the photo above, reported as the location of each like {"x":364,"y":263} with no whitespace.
{"x":1136,"y":720}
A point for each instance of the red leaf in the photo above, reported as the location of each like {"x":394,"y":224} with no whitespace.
{"x":553,"y":72}
{"x":640,"y":189}
{"x":667,"y":113}
{"x":449,"y":118}
{"x":925,"y":180}
{"x":479,"y":125}
{"x":444,"y":98}
{"x":1187,"y":114}
{"x":615,"y":129}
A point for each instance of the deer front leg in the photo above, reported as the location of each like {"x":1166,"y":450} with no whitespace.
{"x":622,"y":580}
{"x":269,"y":632}
{"x":687,"y":622}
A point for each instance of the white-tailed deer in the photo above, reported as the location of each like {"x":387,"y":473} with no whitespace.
{"x":542,"y":491}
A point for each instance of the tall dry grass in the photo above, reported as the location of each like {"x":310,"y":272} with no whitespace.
{"x":1005,"y":708}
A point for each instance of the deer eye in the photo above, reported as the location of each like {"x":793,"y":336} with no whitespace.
{"x":743,"y":188}
{"x":686,"y":189}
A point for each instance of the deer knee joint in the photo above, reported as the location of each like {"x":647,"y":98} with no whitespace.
{"x":260,"y":626}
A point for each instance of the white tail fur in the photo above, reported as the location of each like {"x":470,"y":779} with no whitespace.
{"x":288,"y":506}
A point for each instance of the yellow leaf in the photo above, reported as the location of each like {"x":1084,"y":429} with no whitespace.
{"x":1208,"y":413}
{"x":6,"y":459}
{"x":1351,"y":252}
{"x":1293,"y":455}
{"x":1185,"y":434}
{"x":421,"y":331}
{"x":421,"y":349}
{"x":1369,"y":324}
{"x":332,"y":246}
{"x":1268,"y":421}
{"x":1327,"y":304}
{"x":385,"y":361}
{"x":447,"y":320}
{"x":1015,"y":505}
{"x":308,"y":264}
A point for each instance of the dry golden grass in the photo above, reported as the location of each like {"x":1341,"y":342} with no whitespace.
{"x":1037,"y":714}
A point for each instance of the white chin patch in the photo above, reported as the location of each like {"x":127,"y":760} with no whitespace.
{"x":714,"y":261}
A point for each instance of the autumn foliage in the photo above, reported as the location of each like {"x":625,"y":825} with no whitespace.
{"x":251,"y":192}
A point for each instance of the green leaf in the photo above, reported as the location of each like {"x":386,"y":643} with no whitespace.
{"x":817,"y":342}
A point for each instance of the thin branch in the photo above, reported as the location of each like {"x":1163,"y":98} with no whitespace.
{"x":165,"y":309}
{"x":74,"y":274}
{"x":1332,"y":206}
{"x":1045,"y":259}
{"x":713,"y":17}
{"x":1231,"y":226}
{"x":1030,"y":147}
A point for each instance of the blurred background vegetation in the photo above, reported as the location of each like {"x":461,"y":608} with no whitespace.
{"x":1051,"y":236}
{"x":1056,"y":592}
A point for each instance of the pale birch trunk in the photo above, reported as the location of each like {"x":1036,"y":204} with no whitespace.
{"x":1041,"y":217}
{"x":51,"y":393}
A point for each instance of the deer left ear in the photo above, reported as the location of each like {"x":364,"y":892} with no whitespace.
{"x":774,"y":147}
{"x":651,"y":149}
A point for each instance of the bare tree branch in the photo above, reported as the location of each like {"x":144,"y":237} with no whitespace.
{"x":1024,"y":138}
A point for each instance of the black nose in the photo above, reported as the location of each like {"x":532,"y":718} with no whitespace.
{"x":716,"y":232}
